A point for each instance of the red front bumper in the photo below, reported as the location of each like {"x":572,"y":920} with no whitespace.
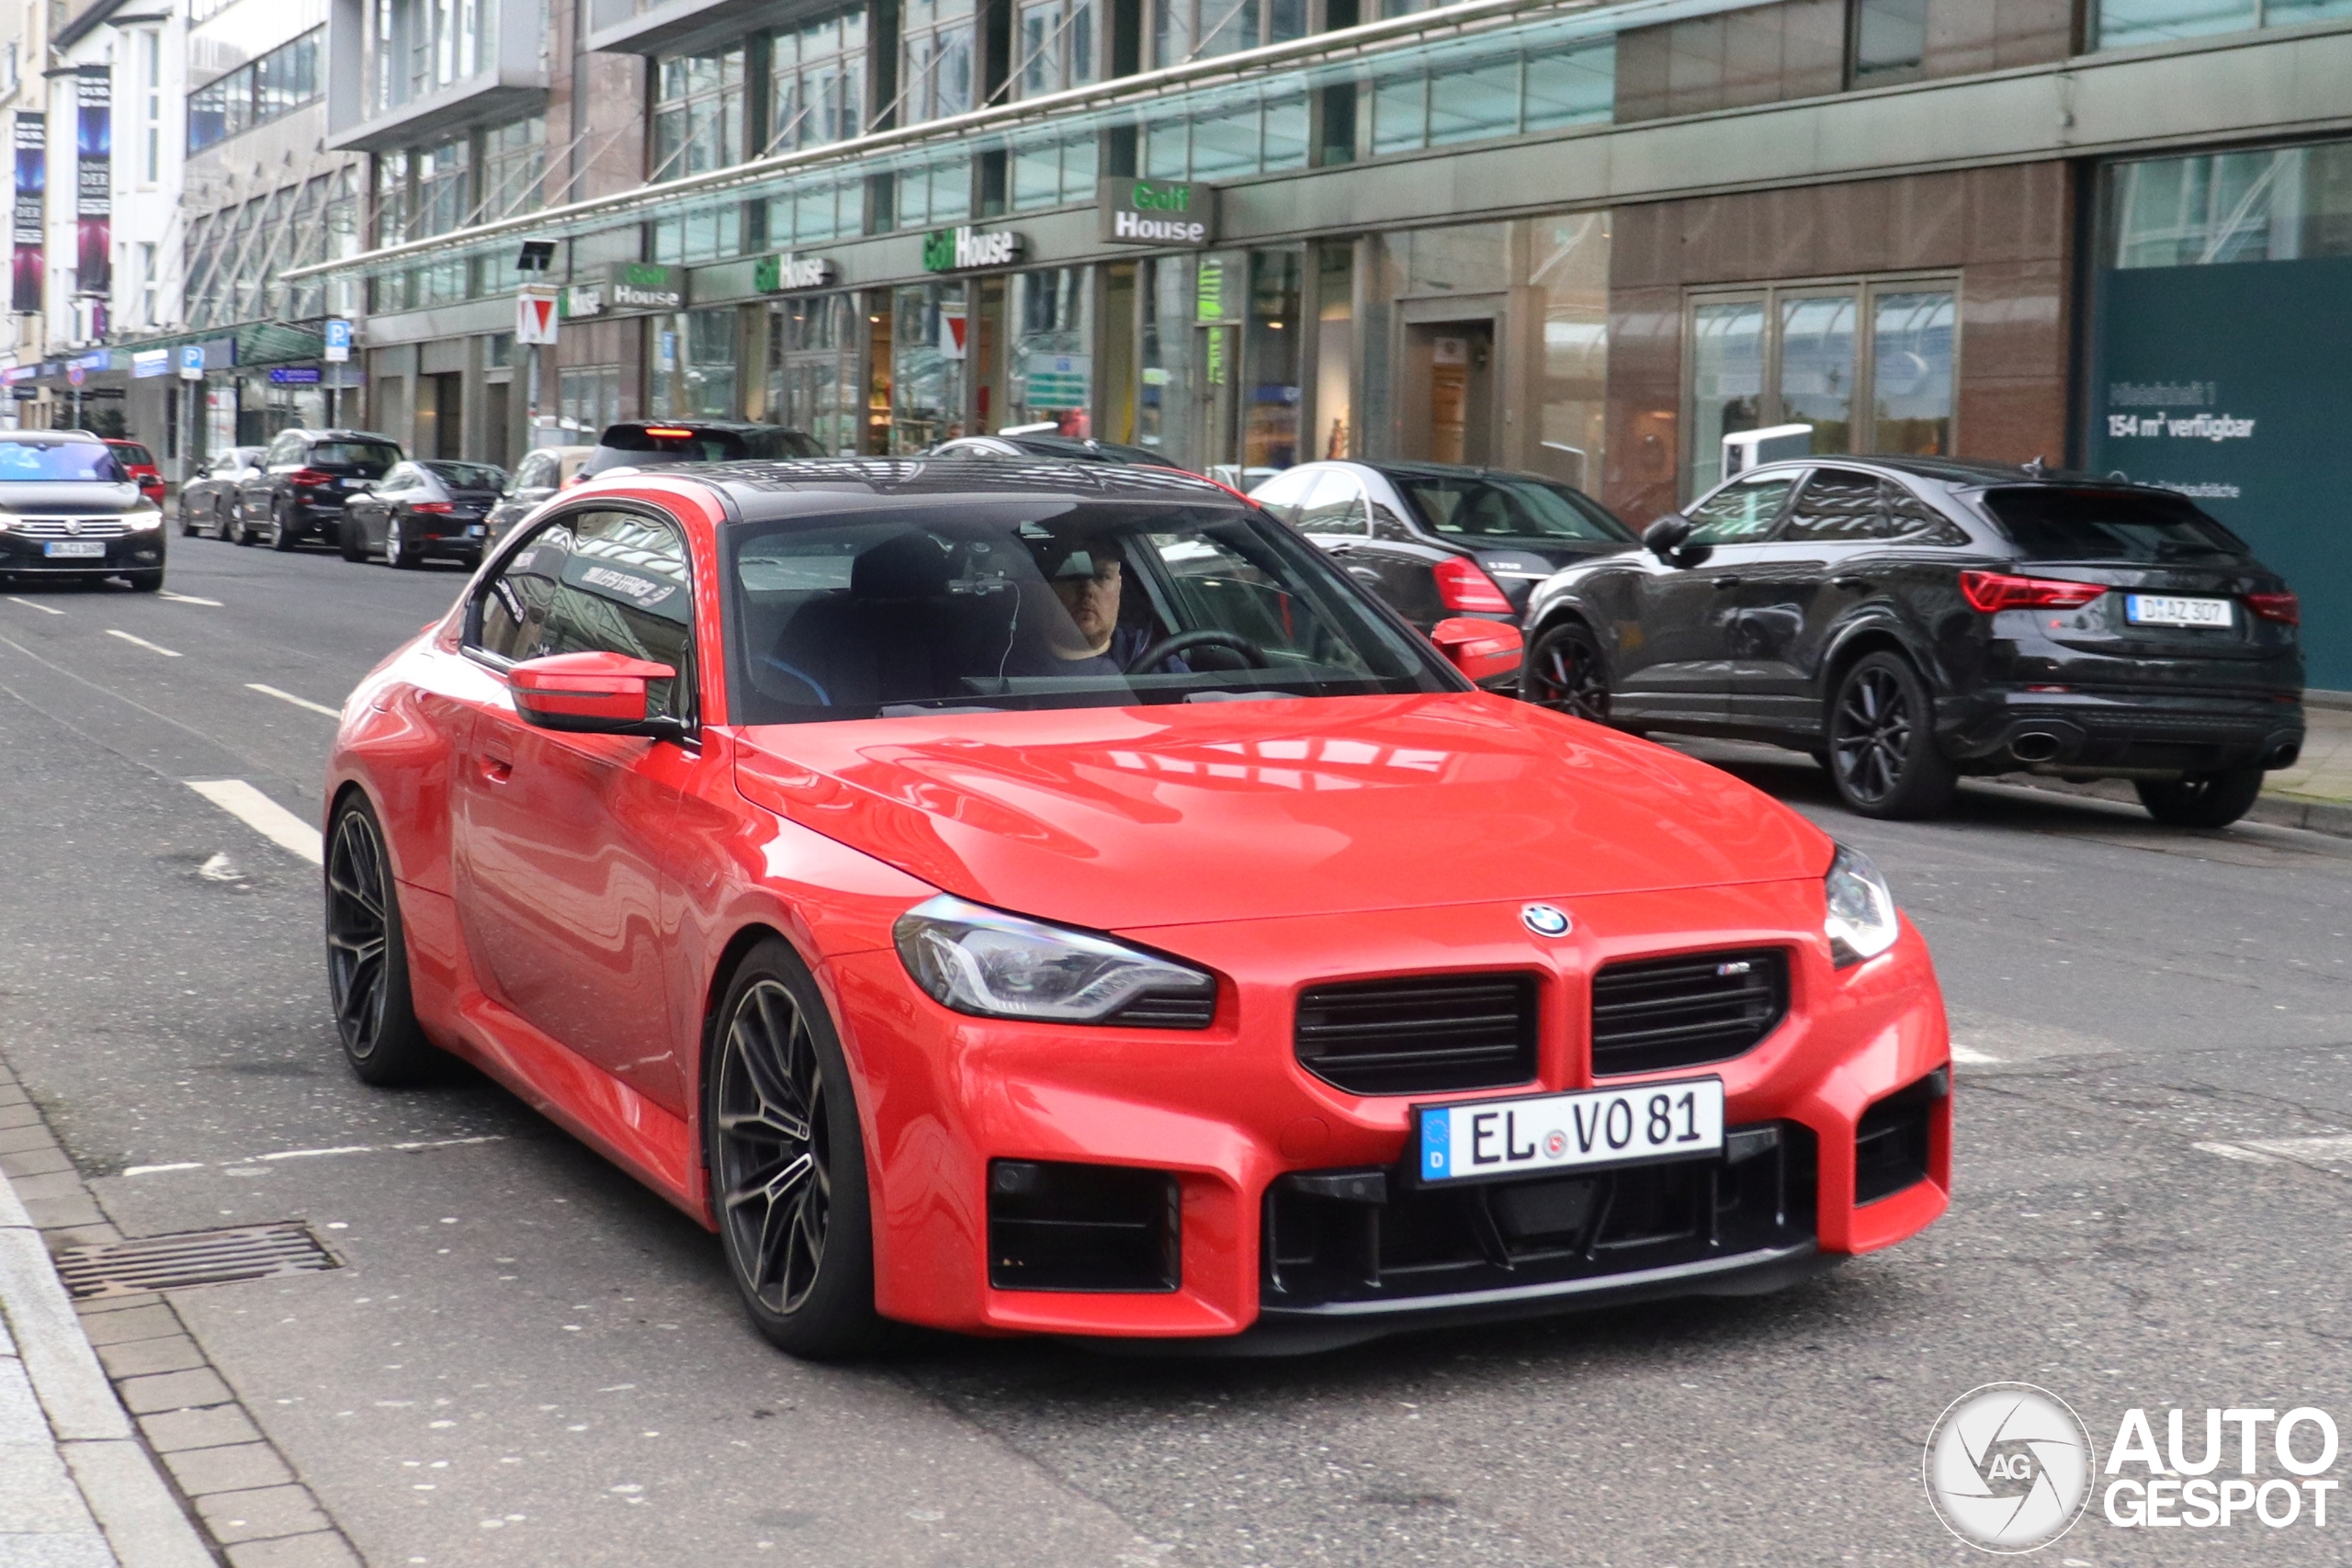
{"x":1228,"y":1110}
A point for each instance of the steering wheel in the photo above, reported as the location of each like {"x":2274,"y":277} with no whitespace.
{"x":1168,"y":648}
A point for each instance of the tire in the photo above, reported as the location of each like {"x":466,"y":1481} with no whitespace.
{"x":367,"y":978}
{"x":188,"y":521}
{"x":1565,"y":672}
{"x":354,"y":542}
{"x":235,"y":529}
{"x":396,"y":551}
{"x":146,"y":582}
{"x":282,"y":537}
{"x":1882,"y":754}
{"x":2202,"y":800}
{"x":778,"y":1101}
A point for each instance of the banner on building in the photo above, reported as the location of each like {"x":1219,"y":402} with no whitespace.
{"x":94,"y":200}
{"x":32,"y":181}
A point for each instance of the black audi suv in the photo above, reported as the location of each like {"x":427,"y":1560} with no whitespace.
{"x":1910,"y":620}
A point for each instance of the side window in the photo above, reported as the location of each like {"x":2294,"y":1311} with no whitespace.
{"x":1839,"y":506}
{"x":285,"y":449}
{"x":1284,"y":495}
{"x":1741,"y":513}
{"x":397,"y":479}
{"x":1336,"y":505}
{"x":533,"y":473}
{"x":1915,"y":521}
{"x":597,"y":582}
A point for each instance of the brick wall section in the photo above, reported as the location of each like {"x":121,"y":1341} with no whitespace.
{"x":1797,"y":50}
{"x":2006,"y":230}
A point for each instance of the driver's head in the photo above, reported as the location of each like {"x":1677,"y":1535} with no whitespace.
{"x":1087,"y":583}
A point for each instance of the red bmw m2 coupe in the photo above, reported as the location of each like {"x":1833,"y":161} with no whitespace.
{"x":1050,"y":898}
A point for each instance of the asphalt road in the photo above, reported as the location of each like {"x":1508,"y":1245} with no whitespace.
{"x":529,"y":1360}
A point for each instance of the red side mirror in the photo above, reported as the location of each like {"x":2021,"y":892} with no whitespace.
{"x":592,"y":693}
{"x":1480,"y":649}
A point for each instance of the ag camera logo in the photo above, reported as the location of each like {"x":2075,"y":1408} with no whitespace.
{"x":2008,"y":1467}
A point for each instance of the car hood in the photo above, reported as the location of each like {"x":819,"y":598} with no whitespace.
{"x":1161,"y":816}
{"x":88,"y":497}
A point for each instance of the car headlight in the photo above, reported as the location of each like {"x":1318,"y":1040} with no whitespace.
{"x":142,"y":522}
{"x":985,"y":962}
{"x":1860,"y":923}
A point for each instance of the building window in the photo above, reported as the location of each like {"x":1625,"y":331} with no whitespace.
{"x":937,"y":50}
{"x":2120,"y":24}
{"x":1869,"y":363}
{"x":150,"y":66}
{"x":514,"y":168}
{"x":148,"y":293}
{"x":2272,"y":204}
{"x":1476,"y":93}
{"x":1054,"y":45}
{"x":1054,"y":171}
{"x":417,"y":46}
{"x":697,"y":113}
{"x":1202,"y":29}
{"x":818,"y":82}
{"x":1890,"y":41}
{"x":1051,"y":376}
{"x":588,"y":398}
{"x":257,"y":91}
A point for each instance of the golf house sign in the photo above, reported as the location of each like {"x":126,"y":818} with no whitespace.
{"x":1156,"y":212}
{"x":645,"y":285}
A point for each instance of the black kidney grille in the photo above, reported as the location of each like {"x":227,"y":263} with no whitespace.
{"x":1654,"y":1013}
{"x":1422,"y":1035}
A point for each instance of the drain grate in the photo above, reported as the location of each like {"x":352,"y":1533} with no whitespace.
{"x":192,"y":1257}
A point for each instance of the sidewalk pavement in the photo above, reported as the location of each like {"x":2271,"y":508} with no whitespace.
{"x":77,"y":1487}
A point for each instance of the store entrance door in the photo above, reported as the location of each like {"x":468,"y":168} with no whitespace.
{"x":1220,"y":401}
{"x":1448,"y":406}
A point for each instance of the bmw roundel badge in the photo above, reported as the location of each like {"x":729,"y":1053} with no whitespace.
{"x":1545,"y":920}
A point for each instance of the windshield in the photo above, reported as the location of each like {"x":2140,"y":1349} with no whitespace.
{"x":359,"y":454}
{"x":2052,"y":523}
{"x":467,"y":476}
{"x":1508,"y":506}
{"x":1033,"y":603}
{"x":35,"y":462}
{"x":644,"y":447}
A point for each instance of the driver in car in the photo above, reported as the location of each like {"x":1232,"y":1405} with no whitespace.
{"x":1087,"y":638}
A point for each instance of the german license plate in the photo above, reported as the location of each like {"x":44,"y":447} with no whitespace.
{"x":2168,"y":610}
{"x":475,"y":532}
{"x":74,"y":550}
{"x":1491,"y":1138}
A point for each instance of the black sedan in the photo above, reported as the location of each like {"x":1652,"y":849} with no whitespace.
{"x":1910,"y":620}
{"x":208,"y":498}
{"x":1437,"y":540}
{"x":423,"y":511}
{"x":654,"y":443}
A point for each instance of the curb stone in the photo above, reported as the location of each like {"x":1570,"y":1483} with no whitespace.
{"x":116,"y":1361}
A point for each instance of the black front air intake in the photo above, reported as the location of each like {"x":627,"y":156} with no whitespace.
{"x":1652,"y":1014}
{"x":1054,"y":1226}
{"x":1890,"y":1142}
{"x":1428,"y":1034}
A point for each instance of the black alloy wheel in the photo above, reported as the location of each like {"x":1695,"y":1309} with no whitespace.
{"x":787,"y":1163}
{"x":1883,"y":753}
{"x":366,"y":958}
{"x":281,"y":527}
{"x":2202,"y":800}
{"x":1565,"y":672}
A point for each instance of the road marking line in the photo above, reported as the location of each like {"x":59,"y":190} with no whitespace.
{"x":2231,"y":1151}
{"x":2336,"y":1147}
{"x":149,"y":647}
{"x":263,"y":815}
{"x":315,"y":1154}
{"x":29,"y":605}
{"x":1968,"y":1058}
{"x":185,"y":598}
{"x":290,"y":697}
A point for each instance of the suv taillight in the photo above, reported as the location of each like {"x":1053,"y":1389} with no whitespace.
{"x":1991,"y":591}
{"x":2282,"y":607}
{"x":430,"y":507}
{"x":311,"y":477}
{"x":1461,"y":585}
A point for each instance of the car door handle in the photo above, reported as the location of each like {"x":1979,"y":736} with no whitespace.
{"x":1367,"y":573}
{"x":1850,"y":584}
{"x":497,"y":769}
{"x":1727,"y":582}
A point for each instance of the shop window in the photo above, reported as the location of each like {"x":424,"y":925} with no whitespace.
{"x":1165,"y":304}
{"x":818,"y":82}
{"x":937,"y":45}
{"x":1867,"y":364}
{"x":694,"y":364}
{"x":1050,"y":376}
{"x":698,"y":111}
{"x":588,"y":398}
{"x":1335,"y":350}
{"x":2271,"y":204}
{"x":1568,"y":262}
{"x":929,"y":333}
{"x":1271,"y":361}
{"x":812,"y":363}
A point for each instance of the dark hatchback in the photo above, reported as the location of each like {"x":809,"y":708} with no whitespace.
{"x":1910,"y":620}
{"x":656,"y":443}
{"x":298,"y":489}
{"x":1436,"y":540}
